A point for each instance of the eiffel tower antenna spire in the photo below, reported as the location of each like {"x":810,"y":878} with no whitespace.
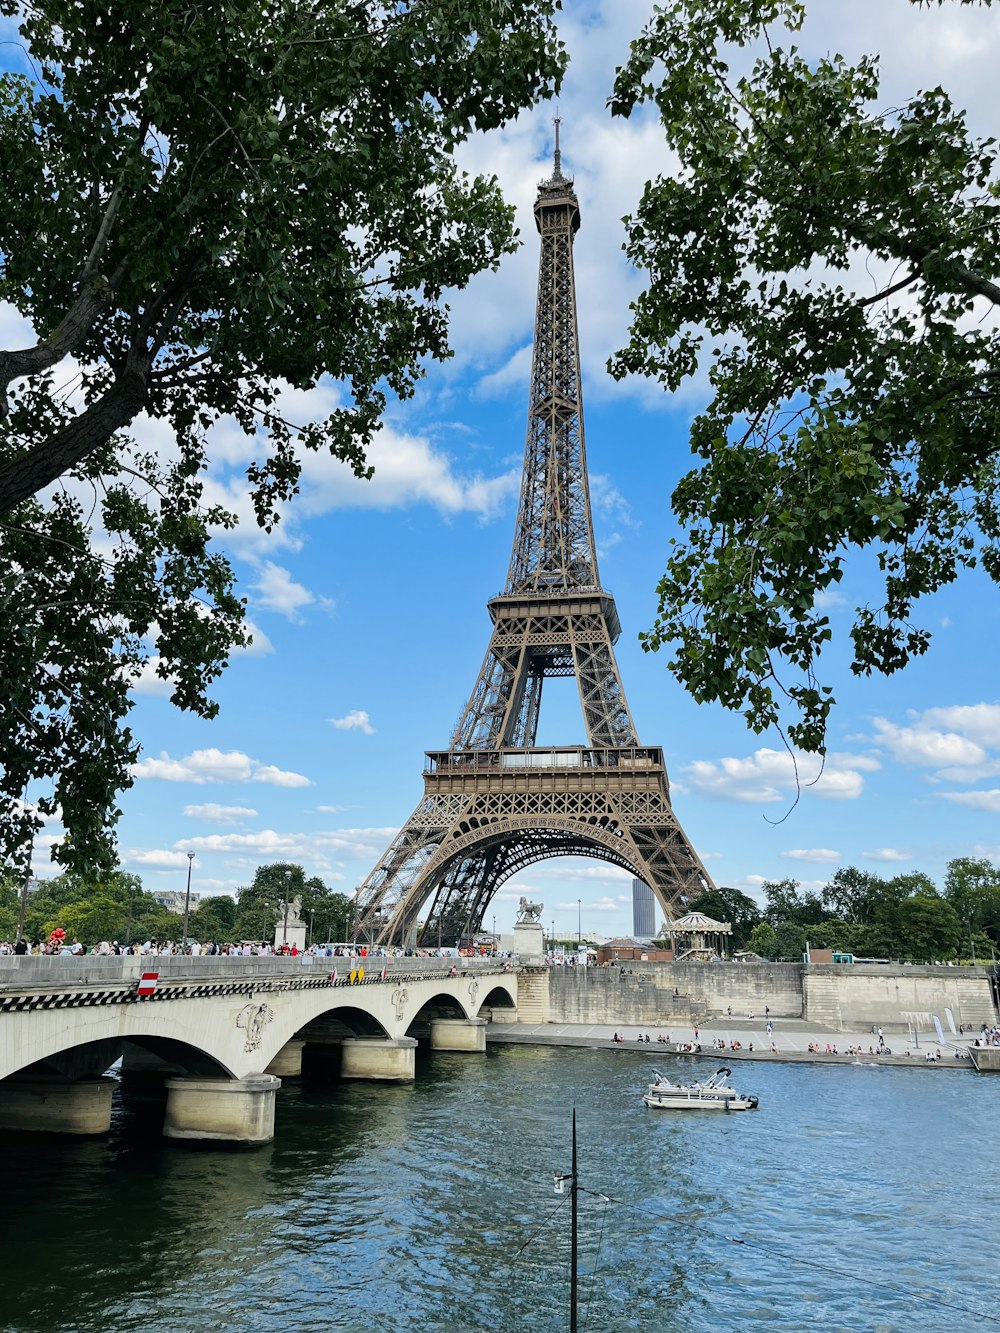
{"x":494,"y":802}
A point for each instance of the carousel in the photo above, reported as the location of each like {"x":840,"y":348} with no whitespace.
{"x":698,"y":939}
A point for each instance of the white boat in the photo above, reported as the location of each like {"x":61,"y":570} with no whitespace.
{"x":714,"y":1094}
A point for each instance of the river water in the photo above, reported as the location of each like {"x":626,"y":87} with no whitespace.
{"x":856,"y":1198}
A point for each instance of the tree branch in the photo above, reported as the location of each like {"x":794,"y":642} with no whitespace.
{"x":25,"y":475}
{"x":103,"y":232}
{"x":95,"y":296}
{"x":975,"y":283}
{"x":889,"y":291}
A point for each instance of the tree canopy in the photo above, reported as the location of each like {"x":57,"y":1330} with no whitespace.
{"x":205,"y":205}
{"x":260,"y":907}
{"x":113,"y":906}
{"x":903,"y":917}
{"x":830,"y":262}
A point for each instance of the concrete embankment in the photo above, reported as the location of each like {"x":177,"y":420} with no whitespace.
{"x":840,"y":998}
{"x":792,"y":1040}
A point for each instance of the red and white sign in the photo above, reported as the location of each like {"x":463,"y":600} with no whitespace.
{"x":147,"y":983}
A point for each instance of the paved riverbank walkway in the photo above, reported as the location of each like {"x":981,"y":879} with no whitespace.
{"x":790,"y":1037}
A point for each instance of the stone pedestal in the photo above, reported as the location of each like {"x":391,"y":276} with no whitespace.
{"x":47,"y":1106}
{"x":288,"y":1062}
{"x":295,"y":935}
{"x":458,"y":1034}
{"x":232,"y":1110}
{"x":529,"y":941}
{"x":381,"y":1058}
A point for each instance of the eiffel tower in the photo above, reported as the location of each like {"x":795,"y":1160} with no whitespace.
{"x":494,"y":803}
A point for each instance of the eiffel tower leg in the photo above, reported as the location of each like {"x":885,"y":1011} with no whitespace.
{"x":388,"y":885}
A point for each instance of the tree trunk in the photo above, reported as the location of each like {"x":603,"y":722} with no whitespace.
{"x":36,"y":468}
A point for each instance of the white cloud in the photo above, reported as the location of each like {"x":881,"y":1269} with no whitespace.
{"x":819,"y":855}
{"x":276,"y":590}
{"x":220,"y":814}
{"x":573,"y":868}
{"x":259,"y":646}
{"x":330,"y":809}
{"x":887,"y":854}
{"x":156,"y":857}
{"x":927,"y":746}
{"x":600,"y":905}
{"x":976,"y":800}
{"x":979,"y":722}
{"x":770,"y":775}
{"x":323,"y":851}
{"x":150,"y":682}
{"x":203,"y":766}
{"x":515,"y":373}
{"x":279,"y":777}
{"x":355,"y":720}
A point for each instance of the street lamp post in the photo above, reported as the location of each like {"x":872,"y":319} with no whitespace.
{"x":288,"y":880}
{"x":187,"y":900}
{"x":22,"y":910}
{"x":579,"y":933}
{"x":553,"y":936}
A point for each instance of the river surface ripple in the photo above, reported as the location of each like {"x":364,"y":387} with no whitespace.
{"x":857,"y":1198}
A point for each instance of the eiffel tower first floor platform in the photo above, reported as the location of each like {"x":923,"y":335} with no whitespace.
{"x":487,"y":814}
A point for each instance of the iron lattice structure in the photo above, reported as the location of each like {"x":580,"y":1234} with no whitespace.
{"x":493,"y":802}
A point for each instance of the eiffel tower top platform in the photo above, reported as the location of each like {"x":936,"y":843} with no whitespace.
{"x":494,"y":802}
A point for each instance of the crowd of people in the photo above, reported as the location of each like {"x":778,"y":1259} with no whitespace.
{"x":59,"y":945}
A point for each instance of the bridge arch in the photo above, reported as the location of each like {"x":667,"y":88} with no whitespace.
{"x":63,"y":1056}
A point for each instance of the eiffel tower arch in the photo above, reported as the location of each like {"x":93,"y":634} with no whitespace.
{"x":494,"y":802}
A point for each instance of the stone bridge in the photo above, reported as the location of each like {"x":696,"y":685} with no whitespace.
{"x":222,"y":1032}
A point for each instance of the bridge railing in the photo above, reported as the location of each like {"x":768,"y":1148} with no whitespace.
{"x":94,"y":969}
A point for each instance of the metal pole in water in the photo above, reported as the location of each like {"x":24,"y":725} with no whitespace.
{"x":572,"y":1248}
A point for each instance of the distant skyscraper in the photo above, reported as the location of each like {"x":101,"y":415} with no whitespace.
{"x":643,"y":911}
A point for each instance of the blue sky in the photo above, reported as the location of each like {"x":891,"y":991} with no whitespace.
{"x":369,"y":602}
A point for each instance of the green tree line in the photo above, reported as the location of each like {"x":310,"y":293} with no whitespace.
{"x":904,"y":917}
{"x":116,"y":907}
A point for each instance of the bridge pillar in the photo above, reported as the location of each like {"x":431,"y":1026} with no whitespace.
{"x":383,"y":1058}
{"x":288,"y":1062}
{"x":458,"y":1034}
{"x":235,"y":1110}
{"x":50,"y":1106}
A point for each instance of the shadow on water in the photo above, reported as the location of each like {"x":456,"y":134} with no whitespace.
{"x":432,"y":1206}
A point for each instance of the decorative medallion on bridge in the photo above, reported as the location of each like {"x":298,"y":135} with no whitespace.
{"x":494,"y":802}
{"x":399,"y":998}
{"x":253,"y":1018}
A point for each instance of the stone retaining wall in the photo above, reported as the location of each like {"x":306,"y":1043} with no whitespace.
{"x":840,"y":996}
